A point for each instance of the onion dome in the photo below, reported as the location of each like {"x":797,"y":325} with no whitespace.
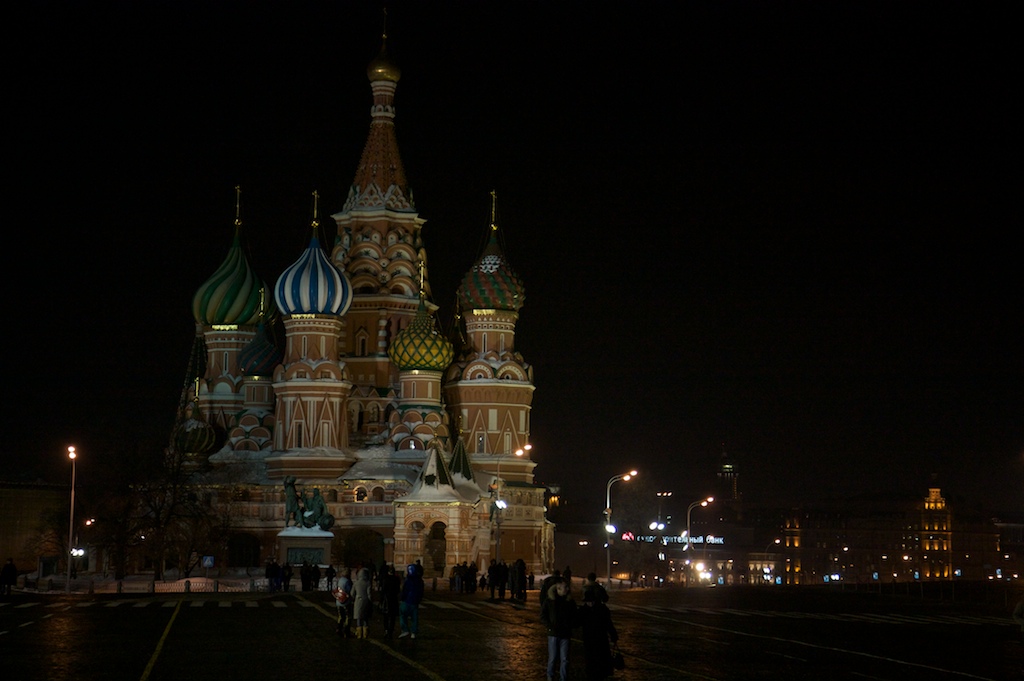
{"x":233,"y":295}
{"x":313,"y":285}
{"x":194,"y":436}
{"x":420,"y":346}
{"x":492,"y":283}
{"x":260,"y":356}
{"x":381,"y":68}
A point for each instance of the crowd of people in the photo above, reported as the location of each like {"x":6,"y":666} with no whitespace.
{"x":500,"y":578}
{"x":397,"y":600}
{"x":365,"y":590}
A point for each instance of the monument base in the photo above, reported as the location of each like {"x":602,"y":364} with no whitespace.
{"x":298,"y":545}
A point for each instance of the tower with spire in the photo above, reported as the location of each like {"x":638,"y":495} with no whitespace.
{"x":404,"y":433}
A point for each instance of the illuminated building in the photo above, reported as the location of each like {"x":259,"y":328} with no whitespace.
{"x":401,"y":430}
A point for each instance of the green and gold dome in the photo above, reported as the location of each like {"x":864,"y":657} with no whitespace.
{"x":420,"y":346}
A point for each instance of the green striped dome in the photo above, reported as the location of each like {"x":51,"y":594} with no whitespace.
{"x":233,"y":294}
{"x":420,"y":346}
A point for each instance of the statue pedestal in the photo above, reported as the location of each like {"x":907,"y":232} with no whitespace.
{"x":297,"y":545}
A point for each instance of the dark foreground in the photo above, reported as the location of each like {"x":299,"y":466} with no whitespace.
{"x":715,"y":634}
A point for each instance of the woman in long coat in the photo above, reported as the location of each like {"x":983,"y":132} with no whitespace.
{"x":598,"y":632}
{"x":362,"y":608}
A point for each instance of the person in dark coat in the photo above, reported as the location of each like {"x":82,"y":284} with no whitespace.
{"x":330,"y":573}
{"x":545,"y":586}
{"x":560,"y":616}
{"x":598,"y":630}
{"x":390,"y":588}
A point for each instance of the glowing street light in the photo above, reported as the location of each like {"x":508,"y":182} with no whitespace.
{"x":689,"y":537}
{"x":609,"y":528}
{"x":71,"y":521}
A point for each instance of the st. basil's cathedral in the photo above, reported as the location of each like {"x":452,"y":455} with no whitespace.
{"x":407,"y":445}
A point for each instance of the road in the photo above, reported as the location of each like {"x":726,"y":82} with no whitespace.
{"x":722,"y":634}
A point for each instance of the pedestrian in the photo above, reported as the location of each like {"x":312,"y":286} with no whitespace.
{"x":270,"y":572}
{"x":409,"y":600}
{"x":520,"y":580}
{"x":598,"y":630}
{"x":362,"y":608}
{"x":503,"y":573}
{"x":330,"y":573}
{"x":492,"y":577}
{"x":8,"y":577}
{"x":560,"y":617}
{"x":545,"y":586}
{"x":567,"y":576}
{"x":529,"y":580}
{"x":390,"y":589}
{"x":286,"y":578}
{"x":591,"y":584}
{"x":343,"y":597}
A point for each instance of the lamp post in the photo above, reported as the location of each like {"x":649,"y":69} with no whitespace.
{"x":71,"y":521}
{"x":499,"y":504}
{"x":689,"y":536}
{"x":609,"y":528}
{"x":767,"y":571}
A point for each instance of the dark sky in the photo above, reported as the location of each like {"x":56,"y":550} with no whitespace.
{"x":784,"y":230}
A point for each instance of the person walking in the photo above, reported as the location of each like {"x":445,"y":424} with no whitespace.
{"x":343,"y":597}
{"x":286,"y":577}
{"x":591,"y":584}
{"x":390,"y":589}
{"x":330,"y":573}
{"x":409,"y":600}
{"x":560,"y":617}
{"x":598,"y":630}
{"x":362,"y":606}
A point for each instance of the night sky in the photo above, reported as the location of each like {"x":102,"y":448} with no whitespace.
{"x":787,"y":231}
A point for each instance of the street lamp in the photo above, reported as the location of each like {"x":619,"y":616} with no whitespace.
{"x":499,"y":503}
{"x":609,"y":528}
{"x":689,"y":537}
{"x":71,"y":521}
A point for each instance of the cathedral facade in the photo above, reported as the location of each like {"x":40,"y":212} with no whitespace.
{"x":395,"y":442}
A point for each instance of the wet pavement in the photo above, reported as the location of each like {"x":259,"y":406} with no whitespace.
{"x":720,"y":634}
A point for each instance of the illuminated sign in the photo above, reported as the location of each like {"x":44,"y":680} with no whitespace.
{"x":650,"y":538}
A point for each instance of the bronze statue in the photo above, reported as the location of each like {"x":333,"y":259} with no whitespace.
{"x":310,"y":512}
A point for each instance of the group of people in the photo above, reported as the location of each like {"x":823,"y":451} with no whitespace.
{"x":279,"y":577}
{"x":514,"y":578}
{"x":397,"y":599}
{"x":561,"y":614}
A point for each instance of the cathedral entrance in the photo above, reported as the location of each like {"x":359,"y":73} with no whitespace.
{"x":437,"y":549}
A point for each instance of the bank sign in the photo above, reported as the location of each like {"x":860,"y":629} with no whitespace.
{"x":708,"y":539}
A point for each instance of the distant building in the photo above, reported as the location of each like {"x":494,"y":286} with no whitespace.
{"x":888,"y":539}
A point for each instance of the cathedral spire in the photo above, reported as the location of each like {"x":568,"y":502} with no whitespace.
{"x":380,"y":179}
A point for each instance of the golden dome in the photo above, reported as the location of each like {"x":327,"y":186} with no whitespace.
{"x":381,"y":68}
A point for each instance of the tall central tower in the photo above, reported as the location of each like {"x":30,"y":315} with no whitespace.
{"x":379,"y":247}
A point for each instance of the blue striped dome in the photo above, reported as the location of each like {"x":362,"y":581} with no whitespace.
{"x":312,"y":285}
